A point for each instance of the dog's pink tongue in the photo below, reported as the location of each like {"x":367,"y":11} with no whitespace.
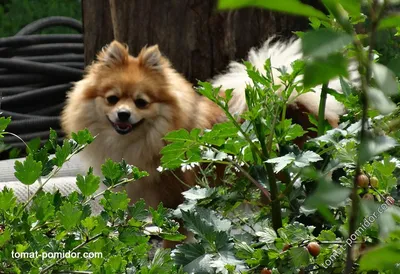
{"x":124,"y":125}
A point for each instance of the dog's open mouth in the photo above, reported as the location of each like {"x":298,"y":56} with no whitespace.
{"x":124,"y":127}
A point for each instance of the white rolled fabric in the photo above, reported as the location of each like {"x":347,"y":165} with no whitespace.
{"x":64,"y":181}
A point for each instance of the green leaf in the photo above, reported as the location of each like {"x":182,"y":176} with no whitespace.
{"x":7,"y":199}
{"x":28,"y":171}
{"x":14,"y":153}
{"x":282,"y":162}
{"x":112,"y":171}
{"x":380,"y":101}
{"x":302,"y":160}
{"x":345,"y":87}
{"x":199,"y":225}
{"x":115,"y":264}
{"x":322,"y":42}
{"x":5,"y":236}
{"x":326,"y":235}
{"x":33,"y":145}
{"x":321,"y":70}
{"x":337,"y":195}
{"x":300,"y":256}
{"x":62,"y":153}
{"x":83,"y":137}
{"x":193,"y":258}
{"x":381,"y":258}
{"x":138,"y":210}
{"x":159,"y":215}
{"x":351,"y":6}
{"x":43,"y":207}
{"x":88,"y":184}
{"x":295,"y":232}
{"x":4,"y":122}
{"x":130,"y":236}
{"x":375,"y":146}
{"x":288,"y":6}
{"x":69,"y":215}
{"x":391,"y":21}
{"x":161,"y":262}
{"x":115,"y":201}
{"x":385,"y":79}
{"x":267,"y":235}
{"x":178,"y":135}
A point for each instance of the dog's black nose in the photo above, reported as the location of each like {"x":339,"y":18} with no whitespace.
{"x":123,"y":115}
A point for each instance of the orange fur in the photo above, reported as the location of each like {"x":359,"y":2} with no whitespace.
{"x":171,"y":104}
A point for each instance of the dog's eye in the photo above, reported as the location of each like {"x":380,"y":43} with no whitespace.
{"x":141,"y":103}
{"x":112,"y":100}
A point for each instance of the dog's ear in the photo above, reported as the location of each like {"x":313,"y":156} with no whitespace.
{"x":114,"y":54}
{"x":152,"y":58}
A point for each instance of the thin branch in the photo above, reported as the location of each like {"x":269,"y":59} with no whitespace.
{"x":321,"y":111}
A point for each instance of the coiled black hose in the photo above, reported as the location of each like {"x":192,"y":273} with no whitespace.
{"x":36,"y":72}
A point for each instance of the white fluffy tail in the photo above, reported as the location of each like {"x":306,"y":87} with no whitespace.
{"x":281,"y":54}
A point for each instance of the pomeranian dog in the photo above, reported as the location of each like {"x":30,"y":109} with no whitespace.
{"x":130,"y":103}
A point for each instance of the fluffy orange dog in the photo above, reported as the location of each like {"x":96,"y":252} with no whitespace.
{"x":132,"y":102}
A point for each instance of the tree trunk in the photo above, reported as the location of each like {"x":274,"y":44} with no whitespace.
{"x":199,"y":40}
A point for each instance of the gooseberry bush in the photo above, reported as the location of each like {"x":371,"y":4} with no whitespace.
{"x":327,"y":206}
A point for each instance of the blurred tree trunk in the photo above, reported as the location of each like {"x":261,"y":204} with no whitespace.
{"x":199,"y":40}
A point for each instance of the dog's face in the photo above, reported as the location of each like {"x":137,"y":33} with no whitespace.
{"x":130,"y":92}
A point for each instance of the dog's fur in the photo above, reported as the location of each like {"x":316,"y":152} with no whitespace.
{"x":171,"y":104}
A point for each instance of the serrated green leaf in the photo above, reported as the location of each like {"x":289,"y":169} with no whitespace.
{"x":90,"y":222}
{"x":4,"y":122}
{"x":115,"y":264}
{"x":130,"y":236}
{"x":43,"y":207}
{"x":288,"y":6}
{"x":323,"y":42}
{"x":293,"y":233}
{"x":28,"y":171}
{"x":138,"y":210}
{"x":7,"y":199}
{"x":196,"y":194}
{"x":115,"y":201}
{"x":302,"y":160}
{"x":82,"y":137}
{"x":159,"y":215}
{"x":161,"y":263}
{"x":88,"y":184}
{"x":282,"y":162}
{"x":62,"y":153}
{"x":193,"y":258}
{"x":112,"y":171}
{"x":267,"y":235}
{"x":69,"y":215}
